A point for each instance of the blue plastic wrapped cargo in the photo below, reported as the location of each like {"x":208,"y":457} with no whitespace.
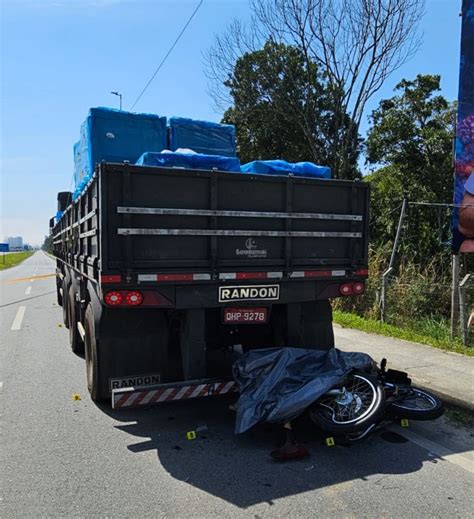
{"x":190,"y":160}
{"x":202,"y":136}
{"x":115,"y":136}
{"x":281,"y":167}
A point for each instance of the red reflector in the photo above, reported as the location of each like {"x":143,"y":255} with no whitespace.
{"x":358,"y":288}
{"x":113,"y":298}
{"x":133,"y":298}
{"x":174,"y":277}
{"x":116,"y":278}
{"x":251,"y":275}
{"x":317,"y":273}
{"x":346,"y":289}
{"x":362,"y":272}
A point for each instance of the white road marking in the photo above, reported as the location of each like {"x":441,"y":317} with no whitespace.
{"x":1,"y":385}
{"x":462,"y":460}
{"x":28,"y":291}
{"x":18,"y":319}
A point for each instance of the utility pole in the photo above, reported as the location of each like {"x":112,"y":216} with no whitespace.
{"x":455,"y":293}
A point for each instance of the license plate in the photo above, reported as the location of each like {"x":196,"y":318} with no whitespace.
{"x":245,"y":315}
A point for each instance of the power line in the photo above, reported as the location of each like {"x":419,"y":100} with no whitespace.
{"x":167,"y":54}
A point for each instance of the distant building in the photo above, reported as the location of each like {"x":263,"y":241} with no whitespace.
{"x":15,"y":242}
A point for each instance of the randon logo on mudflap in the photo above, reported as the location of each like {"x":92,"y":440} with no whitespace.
{"x":135,"y":381}
{"x":249,"y":293}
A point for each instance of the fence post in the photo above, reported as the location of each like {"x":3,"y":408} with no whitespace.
{"x":383,"y":294}
{"x":455,"y":294}
{"x":463,"y":310}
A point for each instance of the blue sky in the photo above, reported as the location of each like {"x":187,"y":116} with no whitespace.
{"x":60,"y":57}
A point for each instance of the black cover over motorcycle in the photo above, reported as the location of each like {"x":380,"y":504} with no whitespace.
{"x":278,"y":384}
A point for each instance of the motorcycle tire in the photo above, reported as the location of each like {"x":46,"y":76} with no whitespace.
{"x":416,"y":404}
{"x":362,"y":405}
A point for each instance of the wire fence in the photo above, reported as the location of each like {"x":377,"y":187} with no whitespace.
{"x":417,"y":298}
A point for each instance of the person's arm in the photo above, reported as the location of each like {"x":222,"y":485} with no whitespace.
{"x":466,"y":212}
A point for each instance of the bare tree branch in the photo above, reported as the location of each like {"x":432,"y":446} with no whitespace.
{"x":357,"y":44}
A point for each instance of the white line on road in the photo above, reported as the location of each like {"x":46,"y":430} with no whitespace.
{"x":462,"y":460}
{"x":1,"y":385}
{"x":28,"y":291}
{"x":18,"y":319}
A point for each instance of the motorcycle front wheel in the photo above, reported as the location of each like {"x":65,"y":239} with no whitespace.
{"x":350,"y":408}
{"x":416,"y":404}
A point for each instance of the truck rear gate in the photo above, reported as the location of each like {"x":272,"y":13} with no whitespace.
{"x":175,"y":251}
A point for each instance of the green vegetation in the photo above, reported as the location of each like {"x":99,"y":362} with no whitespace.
{"x":283,"y":108}
{"x":426,"y":331}
{"x":13,"y":259}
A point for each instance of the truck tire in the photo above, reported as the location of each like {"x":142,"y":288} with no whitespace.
{"x":93,"y":368}
{"x":77,"y":346}
{"x":65,"y":303}
{"x":59,"y":296}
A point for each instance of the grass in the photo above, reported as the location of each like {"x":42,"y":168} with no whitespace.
{"x":428,"y":331}
{"x":13,"y":259}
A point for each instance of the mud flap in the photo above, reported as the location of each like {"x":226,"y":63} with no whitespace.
{"x":193,"y":344}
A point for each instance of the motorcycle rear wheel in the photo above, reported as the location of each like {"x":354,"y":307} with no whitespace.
{"x":360,"y":404}
{"x":416,"y":404}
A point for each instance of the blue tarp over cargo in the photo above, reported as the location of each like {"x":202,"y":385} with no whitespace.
{"x":115,"y":136}
{"x":281,"y":167}
{"x":202,"y":136}
{"x":190,"y":160}
{"x":278,"y":384}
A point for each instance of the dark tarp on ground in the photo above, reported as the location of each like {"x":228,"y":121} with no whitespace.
{"x":278,"y":384}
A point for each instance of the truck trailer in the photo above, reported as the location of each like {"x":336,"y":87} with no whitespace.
{"x":167,"y":275}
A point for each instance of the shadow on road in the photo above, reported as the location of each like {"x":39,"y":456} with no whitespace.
{"x":239,"y":469}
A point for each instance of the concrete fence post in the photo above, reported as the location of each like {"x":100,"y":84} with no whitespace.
{"x":463,"y":309}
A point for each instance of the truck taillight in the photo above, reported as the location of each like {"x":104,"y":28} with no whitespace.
{"x":113,"y":298}
{"x":123,"y":298}
{"x":350,"y":289}
{"x":358,"y":288}
{"x":133,"y":298}
{"x":346,"y":289}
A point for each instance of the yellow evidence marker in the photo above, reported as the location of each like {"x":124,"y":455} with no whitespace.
{"x":404,"y":422}
{"x":76,"y":396}
{"x":330,"y":442}
{"x":191,"y":435}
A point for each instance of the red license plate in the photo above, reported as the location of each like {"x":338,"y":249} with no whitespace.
{"x":245,"y":315}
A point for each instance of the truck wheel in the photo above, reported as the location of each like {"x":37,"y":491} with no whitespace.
{"x":92,"y":357}
{"x":77,"y":346}
{"x":59,"y":296}
{"x":65,"y":298}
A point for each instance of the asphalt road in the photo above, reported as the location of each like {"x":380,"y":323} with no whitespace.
{"x":70,"y":458}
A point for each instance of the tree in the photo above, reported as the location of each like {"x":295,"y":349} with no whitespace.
{"x":282,"y":108}
{"x":48,"y":244}
{"x":412,"y":138}
{"x":356,"y":44}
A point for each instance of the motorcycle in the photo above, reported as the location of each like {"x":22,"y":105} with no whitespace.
{"x":364,"y":401}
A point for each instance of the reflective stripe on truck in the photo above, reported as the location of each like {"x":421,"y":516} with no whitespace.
{"x":136,"y":396}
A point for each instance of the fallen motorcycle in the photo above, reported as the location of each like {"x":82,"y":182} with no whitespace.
{"x":356,"y":407}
